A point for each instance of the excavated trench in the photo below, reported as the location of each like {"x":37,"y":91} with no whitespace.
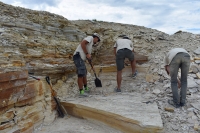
{"x":129,"y":111}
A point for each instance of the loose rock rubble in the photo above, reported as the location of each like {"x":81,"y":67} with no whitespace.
{"x":155,"y":85}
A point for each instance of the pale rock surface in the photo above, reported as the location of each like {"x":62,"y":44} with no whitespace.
{"x":197,"y":51}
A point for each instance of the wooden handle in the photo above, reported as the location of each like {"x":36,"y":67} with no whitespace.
{"x":49,"y":82}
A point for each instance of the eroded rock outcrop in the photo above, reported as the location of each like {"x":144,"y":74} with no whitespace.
{"x":42,"y":43}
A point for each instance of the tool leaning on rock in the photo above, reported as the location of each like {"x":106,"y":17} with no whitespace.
{"x":58,"y":107}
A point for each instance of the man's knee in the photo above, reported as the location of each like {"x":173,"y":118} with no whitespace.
{"x":119,"y":68}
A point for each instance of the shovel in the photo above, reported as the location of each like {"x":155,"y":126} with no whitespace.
{"x":97,"y":81}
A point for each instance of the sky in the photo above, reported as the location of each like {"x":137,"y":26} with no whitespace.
{"x":168,"y":16}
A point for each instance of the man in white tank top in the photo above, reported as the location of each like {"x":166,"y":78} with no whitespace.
{"x":83,"y":52}
{"x":123,"y":48}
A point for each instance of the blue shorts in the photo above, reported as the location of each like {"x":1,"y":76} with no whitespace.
{"x":120,"y":57}
{"x":80,"y":65}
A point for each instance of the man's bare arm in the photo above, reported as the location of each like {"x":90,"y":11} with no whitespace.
{"x":115,"y":50}
{"x":167,"y":69}
{"x":83,"y":45}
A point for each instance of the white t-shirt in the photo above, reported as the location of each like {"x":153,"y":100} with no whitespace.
{"x":79,"y":49}
{"x":170,"y":55}
{"x":123,"y":43}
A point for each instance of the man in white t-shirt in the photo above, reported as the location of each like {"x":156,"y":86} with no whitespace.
{"x":83,"y":52}
{"x":123,"y":48}
{"x":177,"y":58}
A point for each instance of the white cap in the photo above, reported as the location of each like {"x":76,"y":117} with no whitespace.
{"x":97,"y":35}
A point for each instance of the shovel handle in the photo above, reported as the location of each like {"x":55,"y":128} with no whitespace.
{"x":59,"y":110}
{"x":90,"y":62}
{"x":48,"y":81}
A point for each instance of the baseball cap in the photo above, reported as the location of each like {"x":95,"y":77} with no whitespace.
{"x":96,"y":35}
{"x":122,"y":35}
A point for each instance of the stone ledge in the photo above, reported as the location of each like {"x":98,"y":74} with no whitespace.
{"x":113,"y":68}
{"x":123,"y":112}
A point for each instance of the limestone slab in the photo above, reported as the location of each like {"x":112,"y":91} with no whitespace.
{"x":124,"y":111}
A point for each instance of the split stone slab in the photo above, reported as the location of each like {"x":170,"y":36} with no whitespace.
{"x":124,"y":111}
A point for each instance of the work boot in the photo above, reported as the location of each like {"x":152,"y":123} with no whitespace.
{"x":171,"y":102}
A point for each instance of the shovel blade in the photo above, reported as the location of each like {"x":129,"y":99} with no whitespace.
{"x":98,"y":82}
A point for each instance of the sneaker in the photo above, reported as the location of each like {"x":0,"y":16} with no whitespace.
{"x":171,"y":102}
{"x":83,"y":94}
{"x":118,"y":90}
{"x":87,"y":89}
{"x":135,"y":74}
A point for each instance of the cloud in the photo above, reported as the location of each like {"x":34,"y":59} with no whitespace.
{"x":38,"y":2}
{"x":83,"y":10}
{"x":31,"y":3}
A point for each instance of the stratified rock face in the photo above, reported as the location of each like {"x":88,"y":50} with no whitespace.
{"x":38,"y":41}
{"x":44,"y":43}
{"x":24,"y":102}
{"x":12,"y":86}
